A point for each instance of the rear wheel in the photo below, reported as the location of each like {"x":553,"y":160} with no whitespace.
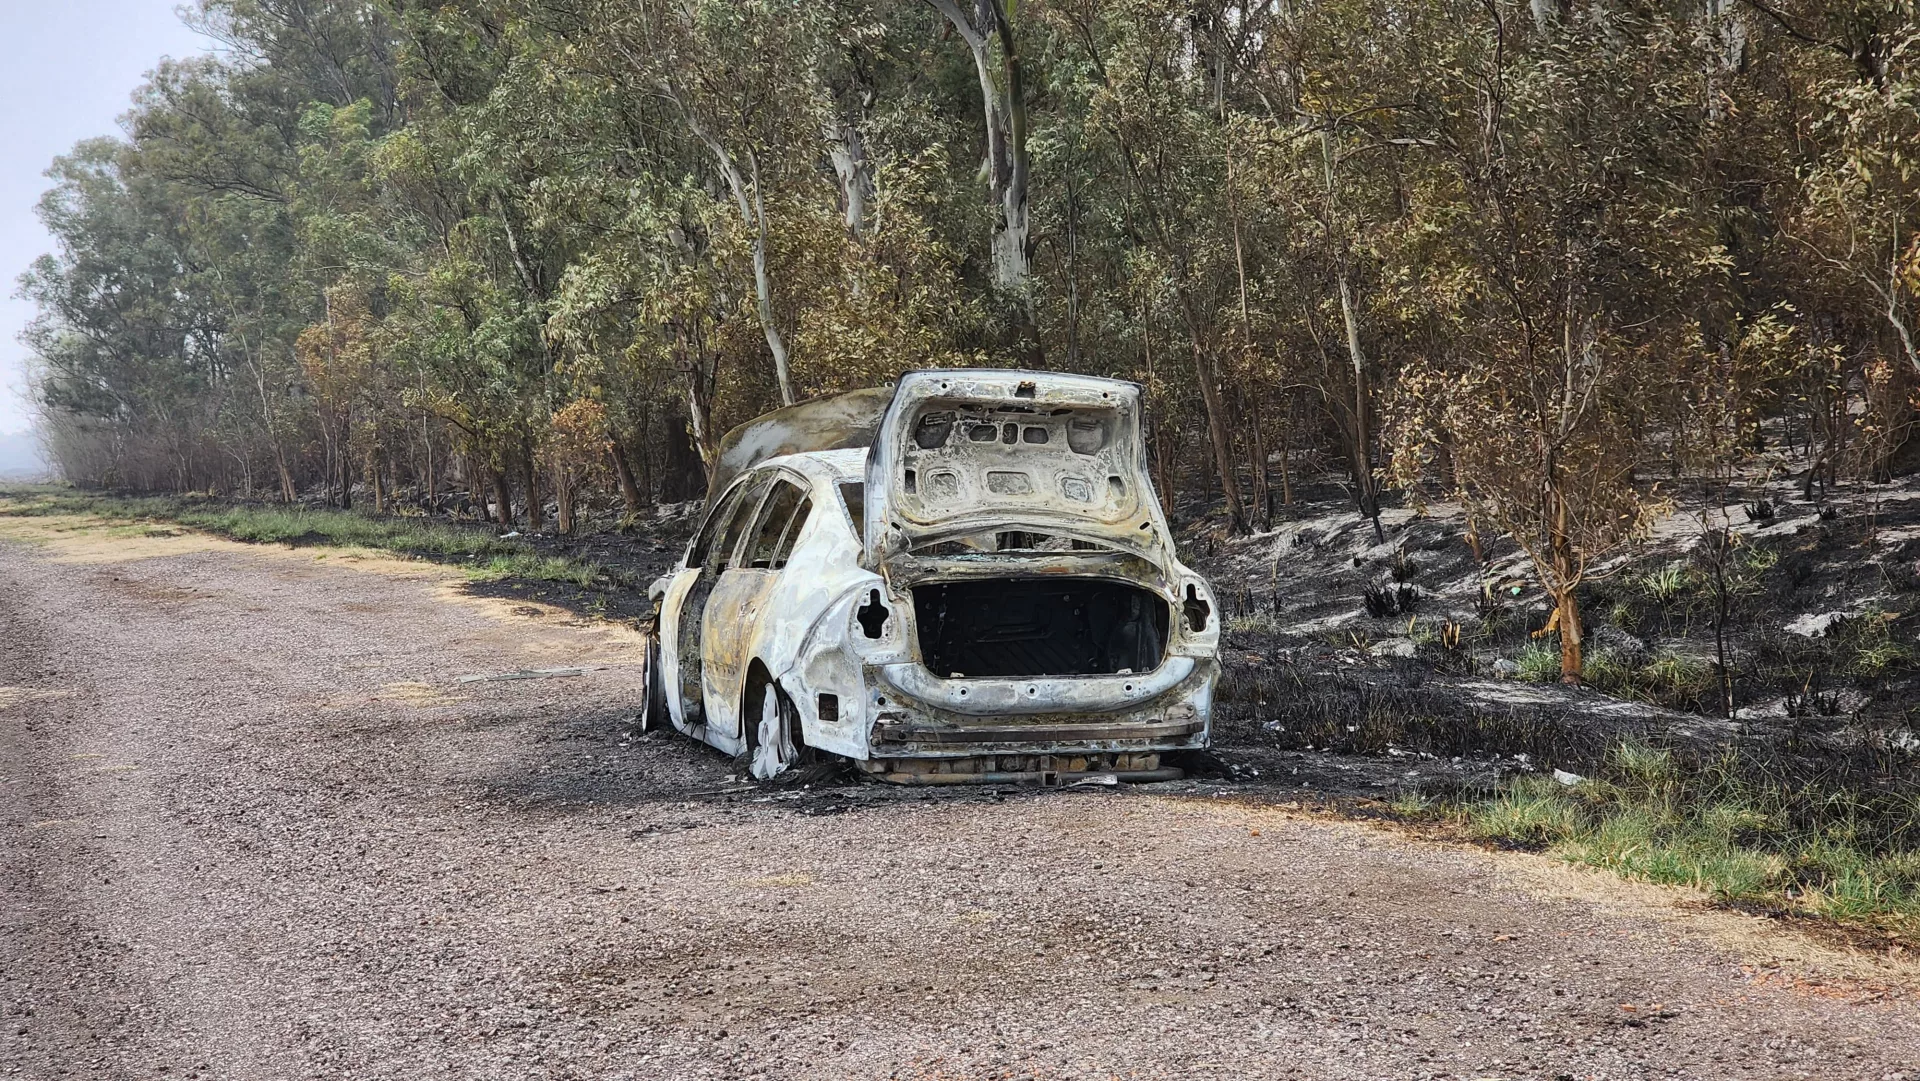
{"x":774,"y":745}
{"x":653,"y":699}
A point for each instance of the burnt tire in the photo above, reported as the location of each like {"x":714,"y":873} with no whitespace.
{"x":653,"y":699}
{"x":774,"y":744}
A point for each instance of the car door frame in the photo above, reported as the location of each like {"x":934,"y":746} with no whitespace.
{"x":685,"y":595}
{"x":727,"y":659}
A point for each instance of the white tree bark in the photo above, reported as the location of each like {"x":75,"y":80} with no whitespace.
{"x":751,"y":203}
{"x":1004,"y":109}
{"x":853,"y":174}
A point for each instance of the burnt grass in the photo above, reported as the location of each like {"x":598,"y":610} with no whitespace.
{"x":630,"y":557}
{"x":1352,"y":670}
{"x":1310,"y":704}
{"x":1413,"y":650}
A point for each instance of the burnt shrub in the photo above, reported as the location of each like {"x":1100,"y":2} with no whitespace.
{"x":1797,"y":570}
{"x":1383,"y":599}
{"x":1404,"y":568}
{"x":1784,"y":663}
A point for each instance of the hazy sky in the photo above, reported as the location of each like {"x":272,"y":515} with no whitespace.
{"x":69,"y":72}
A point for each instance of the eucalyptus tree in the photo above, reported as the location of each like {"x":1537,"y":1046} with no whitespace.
{"x":1860,"y":215}
{"x":1571,"y":260}
{"x":116,"y":336}
{"x":738,"y":75}
{"x":1530,"y":247}
{"x":986,"y":28}
{"x":1150,"y":114}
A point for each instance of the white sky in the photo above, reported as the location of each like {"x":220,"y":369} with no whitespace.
{"x":71,"y":67}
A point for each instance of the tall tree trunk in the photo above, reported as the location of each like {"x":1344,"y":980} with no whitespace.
{"x":699,"y":418}
{"x":763,"y":290}
{"x":377,"y":475}
{"x":268,"y":415}
{"x":1073,"y":276}
{"x":629,"y":488}
{"x":1257,"y":446}
{"x":681,"y":475}
{"x":502,"y":499}
{"x":328,"y":474}
{"x":344,"y":463}
{"x":1361,"y":452}
{"x":1004,"y":109}
{"x":529,"y":477}
{"x":852,"y":171}
{"x":1571,"y":660}
{"x":433,"y":476}
{"x":1257,"y":453}
{"x":287,"y":492}
{"x":1217,"y":433}
{"x":752,"y":205}
{"x":1566,"y":601}
{"x":563,"y":496}
{"x":1286,"y":455}
{"x":1167,"y":479}
{"x":645,"y":471}
{"x":474,"y":479}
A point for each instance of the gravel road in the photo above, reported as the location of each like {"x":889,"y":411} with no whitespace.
{"x":254,"y":825}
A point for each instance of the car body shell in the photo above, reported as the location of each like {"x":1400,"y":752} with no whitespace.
{"x":828,"y":619}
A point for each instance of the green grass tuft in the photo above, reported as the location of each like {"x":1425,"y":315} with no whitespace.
{"x":536,"y":567}
{"x":1674,"y":679}
{"x":1539,"y":664}
{"x":1868,"y":646}
{"x":1668,"y":584}
{"x":1254,"y":623}
{"x":1528,"y":812}
{"x":1607,"y":671}
{"x":1733,"y":828}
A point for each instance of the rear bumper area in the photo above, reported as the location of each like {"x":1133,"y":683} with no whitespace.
{"x":985,"y":738}
{"x":1179,"y":717}
{"x":1052,"y":770}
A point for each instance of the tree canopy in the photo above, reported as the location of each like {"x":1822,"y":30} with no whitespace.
{"x":1526,"y":254}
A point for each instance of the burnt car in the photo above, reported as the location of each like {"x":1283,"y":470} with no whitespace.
{"x":963,"y":577}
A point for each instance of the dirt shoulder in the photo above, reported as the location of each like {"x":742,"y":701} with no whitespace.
{"x":261,"y":824}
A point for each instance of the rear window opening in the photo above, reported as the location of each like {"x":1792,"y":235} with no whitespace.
{"x":854,"y":494}
{"x":1084,"y":433}
{"x":1019,"y":627}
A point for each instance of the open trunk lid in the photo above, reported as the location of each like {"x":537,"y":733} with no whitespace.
{"x":965,"y":454}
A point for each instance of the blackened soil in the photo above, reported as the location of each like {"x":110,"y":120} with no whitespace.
{"x":631,"y":559}
{"x":634,"y":556}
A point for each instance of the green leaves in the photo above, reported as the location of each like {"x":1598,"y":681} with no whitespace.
{"x":1501,"y":257}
